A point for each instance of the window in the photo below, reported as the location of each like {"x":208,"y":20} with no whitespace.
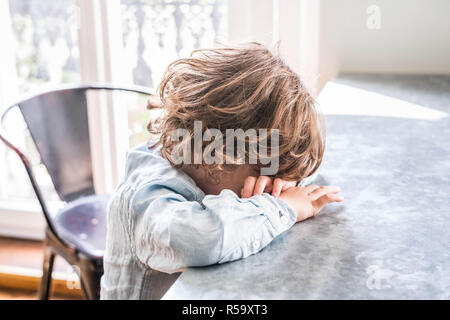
{"x":46,"y":42}
{"x":157,"y":32}
{"x":45,"y":51}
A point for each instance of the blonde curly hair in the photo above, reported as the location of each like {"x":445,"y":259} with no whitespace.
{"x":246,"y":87}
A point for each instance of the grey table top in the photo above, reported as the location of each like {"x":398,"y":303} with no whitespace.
{"x":390,"y":238}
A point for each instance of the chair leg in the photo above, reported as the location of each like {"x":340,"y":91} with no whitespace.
{"x":90,"y":283}
{"x":46,"y":281}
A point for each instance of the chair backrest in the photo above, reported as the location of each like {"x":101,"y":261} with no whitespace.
{"x":58,"y":124}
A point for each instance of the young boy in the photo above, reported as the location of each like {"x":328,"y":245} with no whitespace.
{"x":191,"y":199}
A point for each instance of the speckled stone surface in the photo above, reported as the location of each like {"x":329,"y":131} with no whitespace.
{"x":389,"y":239}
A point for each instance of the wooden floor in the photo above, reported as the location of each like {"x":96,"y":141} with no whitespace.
{"x":27,"y":295}
{"x":24,"y":254}
{"x":17,"y":295}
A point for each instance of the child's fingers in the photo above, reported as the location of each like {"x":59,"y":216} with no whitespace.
{"x":326,"y":199}
{"x":277,"y":187}
{"x":263,"y":183}
{"x":311,"y":188}
{"x":288,"y":184}
{"x":269,"y":186}
{"x":249,"y":186}
{"x":334,"y":197}
{"x":281,"y":185}
{"x":319,"y":192}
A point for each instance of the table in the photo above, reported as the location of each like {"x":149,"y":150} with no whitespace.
{"x":390,"y":238}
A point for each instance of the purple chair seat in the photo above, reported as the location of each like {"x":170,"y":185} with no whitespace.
{"x":82,"y":224}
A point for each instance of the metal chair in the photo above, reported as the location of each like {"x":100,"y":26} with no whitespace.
{"x":58,"y":123}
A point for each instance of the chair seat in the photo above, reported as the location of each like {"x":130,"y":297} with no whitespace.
{"x":82,"y":223}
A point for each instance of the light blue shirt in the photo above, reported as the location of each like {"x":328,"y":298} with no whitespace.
{"x":158,"y":219}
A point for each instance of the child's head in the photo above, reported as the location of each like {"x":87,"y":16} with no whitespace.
{"x":248,"y":88}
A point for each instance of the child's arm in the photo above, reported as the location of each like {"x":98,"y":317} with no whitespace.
{"x":171,"y":233}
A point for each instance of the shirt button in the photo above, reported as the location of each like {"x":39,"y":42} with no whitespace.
{"x":255,"y":244}
{"x":284,"y":220}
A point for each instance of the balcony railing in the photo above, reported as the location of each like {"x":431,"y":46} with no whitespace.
{"x":156,"y":32}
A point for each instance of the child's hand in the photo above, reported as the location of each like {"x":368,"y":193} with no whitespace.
{"x":308,"y":201}
{"x":255,"y":186}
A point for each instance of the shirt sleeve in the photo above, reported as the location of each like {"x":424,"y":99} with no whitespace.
{"x":171,"y":233}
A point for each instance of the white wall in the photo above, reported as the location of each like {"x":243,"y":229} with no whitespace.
{"x":306,"y":30}
{"x":328,"y":45}
{"x":414,"y":36}
{"x":320,"y":38}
